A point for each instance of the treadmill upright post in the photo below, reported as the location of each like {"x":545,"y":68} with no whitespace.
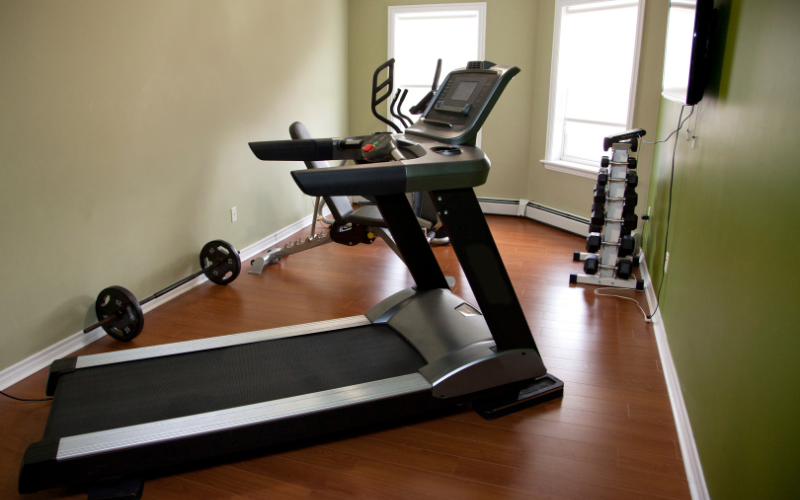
{"x":409,"y":239}
{"x":479,"y":258}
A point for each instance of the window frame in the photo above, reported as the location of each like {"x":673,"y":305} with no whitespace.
{"x":553,"y":160}
{"x":413,"y":9}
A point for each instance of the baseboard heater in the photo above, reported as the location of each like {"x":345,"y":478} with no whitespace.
{"x":546,"y":215}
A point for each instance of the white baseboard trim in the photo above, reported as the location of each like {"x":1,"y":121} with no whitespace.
{"x":45,"y":357}
{"x":268,"y":242}
{"x":691,"y":458}
{"x":540,"y":213}
{"x":64,"y":348}
{"x":491,"y":206}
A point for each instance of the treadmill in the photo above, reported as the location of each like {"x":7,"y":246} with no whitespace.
{"x":121,"y":415}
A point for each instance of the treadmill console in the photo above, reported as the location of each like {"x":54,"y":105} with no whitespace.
{"x":463,"y":102}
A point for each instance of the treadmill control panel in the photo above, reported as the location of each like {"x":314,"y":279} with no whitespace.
{"x":462,"y":103}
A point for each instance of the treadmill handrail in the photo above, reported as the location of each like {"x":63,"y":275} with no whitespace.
{"x":308,"y":149}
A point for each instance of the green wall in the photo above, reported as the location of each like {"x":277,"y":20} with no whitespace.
{"x":123,"y":142}
{"x":729,"y":299}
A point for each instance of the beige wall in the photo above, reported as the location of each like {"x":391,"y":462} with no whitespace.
{"x":509,"y":40}
{"x":518,"y":32}
{"x":569,"y":192}
{"x":123,"y":142}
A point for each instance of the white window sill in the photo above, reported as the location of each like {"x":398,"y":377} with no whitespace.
{"x":568,"y":167}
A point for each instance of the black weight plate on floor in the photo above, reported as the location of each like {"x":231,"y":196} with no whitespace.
{"x":217,"y":250}
{"x":116,"y":300}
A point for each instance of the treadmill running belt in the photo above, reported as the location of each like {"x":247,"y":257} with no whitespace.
{"x":111,"y":396}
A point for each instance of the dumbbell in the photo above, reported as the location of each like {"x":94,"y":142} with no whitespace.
{"x":121,"y":315}
{"x":605,"y":161}
{"x":632,"y":179}
{"x":624,"y":269}
{"x":626,"y":246}
{"x":630,"y":221}
{"x":599,"y":194}
{"x":591,"y":264}
{"x":602,"y":179}
{"x":631,"y":197}
{"x":598,"y":218}
{"x":630,"y":200}
{"x":593,"y":242}
{"x":628,"y":209}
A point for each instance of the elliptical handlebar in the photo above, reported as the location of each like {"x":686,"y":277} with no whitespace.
{"x":389,"y":82}
{"x":423,"y":103}
{"x":400,"y":111}
{"x":396,"y":113}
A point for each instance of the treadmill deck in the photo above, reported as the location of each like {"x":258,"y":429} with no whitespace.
{"x":162,"y":388}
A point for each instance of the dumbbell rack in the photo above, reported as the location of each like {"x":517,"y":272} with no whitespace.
{"x":613,"y":218}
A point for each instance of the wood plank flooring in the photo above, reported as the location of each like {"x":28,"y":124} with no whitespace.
{"x":611,"y":436}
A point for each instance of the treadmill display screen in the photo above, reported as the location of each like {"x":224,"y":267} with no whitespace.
{"x":463,"y":91}
{"x":462,"y":103}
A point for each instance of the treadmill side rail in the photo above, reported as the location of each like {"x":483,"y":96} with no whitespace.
{"x":129,"y":451}
{"x":63,"y":366}
{"x":223,"y":420}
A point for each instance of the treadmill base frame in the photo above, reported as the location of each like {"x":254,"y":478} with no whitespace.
{"x":543,"y":389}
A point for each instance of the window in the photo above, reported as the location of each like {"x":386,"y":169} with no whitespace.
{"x":592,"y":81}
{"x":421,"y":34}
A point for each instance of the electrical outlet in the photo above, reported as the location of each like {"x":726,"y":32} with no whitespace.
{"x":233,"y":214}
{"x":666,"y":263}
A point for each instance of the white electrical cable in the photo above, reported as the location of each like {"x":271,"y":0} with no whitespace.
{"x":597,"y":292}
{"x":680,"y":126}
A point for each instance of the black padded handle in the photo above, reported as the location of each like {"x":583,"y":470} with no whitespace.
{"x":627,"y":136}
{"x":296,"y":150}
{"x":371,"y":179}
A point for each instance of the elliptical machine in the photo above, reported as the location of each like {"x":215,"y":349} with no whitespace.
{"x":351,"y":227}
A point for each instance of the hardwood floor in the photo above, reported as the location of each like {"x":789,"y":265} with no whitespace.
{"x":611,"y":436}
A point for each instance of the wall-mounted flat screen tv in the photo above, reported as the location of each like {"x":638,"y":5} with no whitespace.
{"x":686,"y":57}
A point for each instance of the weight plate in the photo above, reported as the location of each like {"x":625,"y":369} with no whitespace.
{"x":118,"y":301}
{"x":220,"y":262}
